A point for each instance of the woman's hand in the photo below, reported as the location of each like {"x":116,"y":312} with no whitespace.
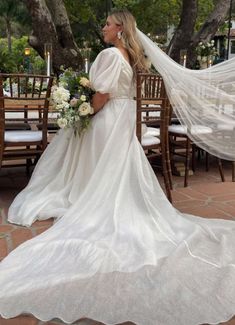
{"x":98,"y":101}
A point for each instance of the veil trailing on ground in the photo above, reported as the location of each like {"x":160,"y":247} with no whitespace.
{"x":201,"y":99}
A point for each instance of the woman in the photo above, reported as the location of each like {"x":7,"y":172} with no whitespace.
{"x":120,"y":252}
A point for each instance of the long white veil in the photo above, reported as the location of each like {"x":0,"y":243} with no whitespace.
{"x":200,"y":98}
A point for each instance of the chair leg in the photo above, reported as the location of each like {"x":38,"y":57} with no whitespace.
{"x":167,"y":182}
{"x":28,"y":165}
{"x":187,"y":161}
{"x":233,"y":171}
{"x":194,"y":148}
{"x":221,"y":170}
{"x":168,"y":162}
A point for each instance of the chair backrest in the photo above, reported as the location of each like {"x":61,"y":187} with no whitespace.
{"x":24,"y":99}
{"x":153,"y":107}
{"x":24,"y":94}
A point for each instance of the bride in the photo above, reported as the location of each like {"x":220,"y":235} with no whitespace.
{"x":118,"y":250}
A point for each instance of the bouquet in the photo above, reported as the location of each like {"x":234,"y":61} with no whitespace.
{"x":72,"y":99}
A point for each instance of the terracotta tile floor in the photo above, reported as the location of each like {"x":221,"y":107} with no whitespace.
{"x":205,"y":196}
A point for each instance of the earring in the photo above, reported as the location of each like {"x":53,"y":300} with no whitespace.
{"x":119,"y":35}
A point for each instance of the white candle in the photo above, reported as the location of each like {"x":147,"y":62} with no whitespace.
{"x":48,"y":64}
{"x":86,"y":65}
{"x":184,"y":62}
{"x":210,"y":63}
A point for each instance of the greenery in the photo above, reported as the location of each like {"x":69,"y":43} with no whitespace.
{"x":87,"y":18}
{"x":15,"y":61}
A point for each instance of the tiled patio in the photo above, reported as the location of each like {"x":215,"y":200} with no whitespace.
{"x":206,"y":196}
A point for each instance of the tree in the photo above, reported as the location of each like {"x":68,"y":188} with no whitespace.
{"x":50,"y":24}
{"x":185,"y":36}
{"x":11,"y":11}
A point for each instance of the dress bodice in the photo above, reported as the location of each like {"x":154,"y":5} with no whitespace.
{"x":111,"y":73}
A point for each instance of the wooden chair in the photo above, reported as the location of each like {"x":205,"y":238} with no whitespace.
{"x":152,"y":123}
{"x":25,"y":104}
{"x":180,"y":144}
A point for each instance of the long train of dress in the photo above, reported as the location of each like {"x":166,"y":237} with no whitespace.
{"x":118,"y":251}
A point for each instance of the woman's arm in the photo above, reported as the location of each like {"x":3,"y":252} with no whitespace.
{"x":98,"y":101}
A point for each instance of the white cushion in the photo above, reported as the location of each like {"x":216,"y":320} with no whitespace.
{"x":200,"y":129}
{"x":149,"y":140}
{"x":195,"y":129}
{"x":155,"y":132}
{"x":177,"y":128}
{"x":23,"y":136}
{"x":225,"y":127}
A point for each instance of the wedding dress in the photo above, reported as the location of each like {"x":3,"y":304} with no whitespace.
{"x":118,"y":251}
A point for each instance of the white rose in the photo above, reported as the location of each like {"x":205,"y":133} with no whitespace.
{"x":83,"y":98}
{"x":62,"y":122}
{"x":84,"y":82}
{"x":73,"y":102}
{"x":85,"y":109}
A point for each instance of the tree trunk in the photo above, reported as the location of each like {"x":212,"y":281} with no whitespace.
{"x":183,"y":34}
{"x":214,"y":20}
{"x":184,"y":37}
{"x":50,"y":24}
{"x":8,"y":32}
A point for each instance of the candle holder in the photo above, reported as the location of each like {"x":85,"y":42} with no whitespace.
{"x":183,"y":57}
{"x":48,"y":57}
{"x":27,"y":52}
{"x":85,"y":52}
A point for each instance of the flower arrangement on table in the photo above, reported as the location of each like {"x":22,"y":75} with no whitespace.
{"x":71,"y":99}
{"x":206,"y":53}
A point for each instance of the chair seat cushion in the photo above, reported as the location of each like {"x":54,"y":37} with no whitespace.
{"x":195,"y":129}
{"x":155,"y":132}
{"x":225,"y":127}
{"x":149,"y":140}
{"x":23,"y":136}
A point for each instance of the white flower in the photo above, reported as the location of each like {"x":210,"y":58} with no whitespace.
{"x":200,"y":44}
{"x":84,"y":82}
{"x":204,"y":59}
{"x":60,"y":95}
{"x":85,"y":109}
{"x":199,"y":57}
{"x":83,"y":98}
{"x":62,"y":105}
{"x":73,"y":102}
{"x":62,"y":122}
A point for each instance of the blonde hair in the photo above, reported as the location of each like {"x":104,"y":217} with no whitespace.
{"x":130,"y":40}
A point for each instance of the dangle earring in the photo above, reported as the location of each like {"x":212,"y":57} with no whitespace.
{"x":119,"y":35}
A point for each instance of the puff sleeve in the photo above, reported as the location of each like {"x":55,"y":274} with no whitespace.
{"x":105,"y":71}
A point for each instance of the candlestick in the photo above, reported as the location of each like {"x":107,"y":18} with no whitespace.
{"x":48,"y":58}
{"x":48,"y":64}
{"x":184,"y":62}
{"x":86,"y":65}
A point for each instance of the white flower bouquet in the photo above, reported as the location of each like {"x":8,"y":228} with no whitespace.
{"x":206,"y":52}
{"x":71,"y":99}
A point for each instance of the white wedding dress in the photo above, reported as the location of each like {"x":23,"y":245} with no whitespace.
{"x":118,"y":250}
